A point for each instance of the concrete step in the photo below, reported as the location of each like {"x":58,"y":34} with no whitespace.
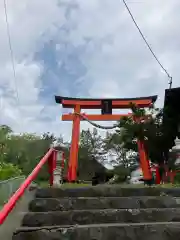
{"x":82,"y":217}
{"x":106,"y":191}
{"x":65,"y":204}
{"x":140,"y":231}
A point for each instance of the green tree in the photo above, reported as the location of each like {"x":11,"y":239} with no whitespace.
{"x":122,"y":173}
{"x":5,"y":132}
{"x":146,"y":126}
{"x":91,"y":145}
{"x":26,"y":150}
{"x":8,"y":170}
{"x":149,"y":128}
{"x":120,"y":148}
{"x":91,"y":154}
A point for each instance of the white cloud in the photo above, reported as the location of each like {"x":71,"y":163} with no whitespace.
{"x":117,"y":61}
{"x":123,"y":64}
{"x":28,"y":21}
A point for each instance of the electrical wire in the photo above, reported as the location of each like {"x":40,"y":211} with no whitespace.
{"x":11,"y":51}
{"x":147,"y":44}
{"x":12,"y":62}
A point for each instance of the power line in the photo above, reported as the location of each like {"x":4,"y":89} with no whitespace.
{"x":12,"y":60}
{"x":147,"y":44}
{"x":11,"y":51}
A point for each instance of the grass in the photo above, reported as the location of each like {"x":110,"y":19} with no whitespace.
{"x":65,"y":185}
{"x":81,"y":185}
{"x":75,"y":185}
{"x":167,"y":185}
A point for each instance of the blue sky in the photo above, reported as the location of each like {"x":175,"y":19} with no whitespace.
{"x":81,"y":48}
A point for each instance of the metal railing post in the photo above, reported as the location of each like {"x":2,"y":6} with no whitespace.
{"x":51,"y":167}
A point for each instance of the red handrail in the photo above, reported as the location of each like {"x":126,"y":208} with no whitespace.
{"x":50,"y":156}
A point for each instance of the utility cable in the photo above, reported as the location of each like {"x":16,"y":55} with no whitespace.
{"x":12,"y":58}
{"x":11,"y":51}
{"x":147,"y":44}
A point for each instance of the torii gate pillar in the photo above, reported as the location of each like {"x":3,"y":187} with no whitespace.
{"x":73,"y":163}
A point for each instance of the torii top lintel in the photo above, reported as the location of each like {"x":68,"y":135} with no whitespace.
{"x":95,"y":103}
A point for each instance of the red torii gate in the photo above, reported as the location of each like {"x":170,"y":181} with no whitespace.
{"x":106,"y":106}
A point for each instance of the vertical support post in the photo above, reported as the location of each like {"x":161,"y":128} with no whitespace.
{"x":158,"y":178}
{"x":144,"y":162}
{"x":172,"y":175}
{"x":73,"y":161}
{"x":145,"y":166}
{"x":63,"y":162}
{"x":58,"y":178}
{"x":51,"y":166}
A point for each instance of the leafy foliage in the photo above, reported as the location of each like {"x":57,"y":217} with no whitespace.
{"x":146,"y":126}
{"x":8,"y":170}
{"x":122,"y":173}
{"x":25,"y":150}
{"x":91,"y":154}
{"x":21,"y":153}
{"x":177,"y":178}
{"x":121,"y":148}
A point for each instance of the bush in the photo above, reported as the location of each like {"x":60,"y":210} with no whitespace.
{"x":109,"y":174}
{"x":8,"y":170}
{"x":177,"y":178}
{"x":122,"y":173}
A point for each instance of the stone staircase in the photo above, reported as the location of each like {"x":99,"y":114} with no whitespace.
{"x":102,"y":213}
